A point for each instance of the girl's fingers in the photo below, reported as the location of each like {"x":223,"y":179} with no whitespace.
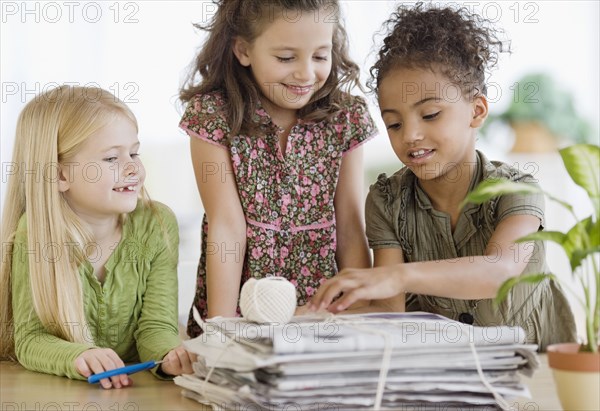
{"x":353,"y":285}
{"x":121,"y":380}
{"x":96,"y":365}
{"x":186,"y":364}
{"x":178,"y":361}
{"x":327,"y":297}
{"x":184,"y":361}
{"x":101,"y":361}
{"x":193,"y":357}
{"x":182,"y":354}
{"x":169,"y":363}
{"x":337,"y":286}
{"x":347,"y":300}
{"x":82,"y":367}
{"x":332,"y":288}
{"x":109,"y":362}
{"x":320,"y":300}
{"x":98,"y":360}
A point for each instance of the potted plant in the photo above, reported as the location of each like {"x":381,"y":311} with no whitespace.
{"x":576,"y":368}
{"x":541,"y":116}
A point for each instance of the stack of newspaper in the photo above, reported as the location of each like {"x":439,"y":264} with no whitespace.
{"x":379,"y":360}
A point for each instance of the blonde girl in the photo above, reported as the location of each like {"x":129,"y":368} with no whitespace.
{"x":89,"y":264}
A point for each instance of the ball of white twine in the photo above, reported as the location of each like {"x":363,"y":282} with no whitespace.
{"x":268,"y":300}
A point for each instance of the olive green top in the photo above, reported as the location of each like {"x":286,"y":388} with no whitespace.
{"x":399,"y":214}
{"x":134,"y":312}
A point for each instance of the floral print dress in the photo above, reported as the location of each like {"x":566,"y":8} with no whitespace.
{"x":288,"y":199}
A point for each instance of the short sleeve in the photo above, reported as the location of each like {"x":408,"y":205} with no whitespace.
{"x":381,"y":226}
{"x":360,"y":126}
{"x":519,"y":204}
{"x":205,"y":118}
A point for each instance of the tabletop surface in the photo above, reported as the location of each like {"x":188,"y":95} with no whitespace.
{"x":26,"y":390}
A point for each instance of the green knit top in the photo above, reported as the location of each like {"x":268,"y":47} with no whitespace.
{"x":133,"y":312}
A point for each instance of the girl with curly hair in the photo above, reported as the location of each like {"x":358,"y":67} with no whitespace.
{"x":429,"y":253}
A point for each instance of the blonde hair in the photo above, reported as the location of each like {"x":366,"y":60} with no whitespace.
{"x":51,"y":129}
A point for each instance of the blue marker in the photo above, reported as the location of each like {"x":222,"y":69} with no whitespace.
{"x":130,"y":369}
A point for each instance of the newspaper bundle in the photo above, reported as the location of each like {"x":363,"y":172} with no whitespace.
{"x":406,"y":361}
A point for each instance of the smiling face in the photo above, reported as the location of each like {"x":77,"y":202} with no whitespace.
{"x":290,"y":60}
{"x":103,"y":179}
{"x":431,"y":125}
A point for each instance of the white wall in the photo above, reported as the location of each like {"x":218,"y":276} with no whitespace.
{"x":140,"y":49}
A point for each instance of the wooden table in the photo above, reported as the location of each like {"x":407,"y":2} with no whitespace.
{"x":26,"y":390}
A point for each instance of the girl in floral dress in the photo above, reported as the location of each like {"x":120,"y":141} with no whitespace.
{"x":275,"y":140}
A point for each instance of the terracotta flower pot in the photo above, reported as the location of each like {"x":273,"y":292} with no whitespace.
{"x":576,"y":376}
{"x":533,"y":137}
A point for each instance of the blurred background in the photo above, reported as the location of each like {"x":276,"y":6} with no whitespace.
{"x":542,"y":96}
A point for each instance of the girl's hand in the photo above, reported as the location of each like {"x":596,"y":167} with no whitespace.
{"x":178,"y":361}
{"x":306,"y":309}
{"x":97,"y":360}
{"x":303,"y":310}
{"x":356,"y":284}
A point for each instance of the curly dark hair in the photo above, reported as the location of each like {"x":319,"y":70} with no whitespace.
{"x":458,"y":43}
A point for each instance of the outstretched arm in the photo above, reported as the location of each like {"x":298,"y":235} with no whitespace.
{"x":226,"y":226}
{"x":383,"y":258}
{"x":462,"y":278}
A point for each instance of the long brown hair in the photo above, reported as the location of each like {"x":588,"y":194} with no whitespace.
{"x":217,"y":69}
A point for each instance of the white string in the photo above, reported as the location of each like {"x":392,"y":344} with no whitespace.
{"x":268,"y":300}
{"x":199,"y":320}
{"x":386,"y":358}
{"x":212,"y":368}
{"x":385,"y":366}
{"x":386,"y":361}
{"x":502,"y":403}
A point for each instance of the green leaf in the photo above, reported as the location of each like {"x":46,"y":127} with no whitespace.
{"x":575,"y":242}
{"x":488,"y":189}
{"x":562,"y":203}
{"x":513,"y":281}
{"x":582,"y":161}
{"x":572,"y":243}
{"x":554,"y":236}
{"x":581,"y":254}
{"x":594,"y":233}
